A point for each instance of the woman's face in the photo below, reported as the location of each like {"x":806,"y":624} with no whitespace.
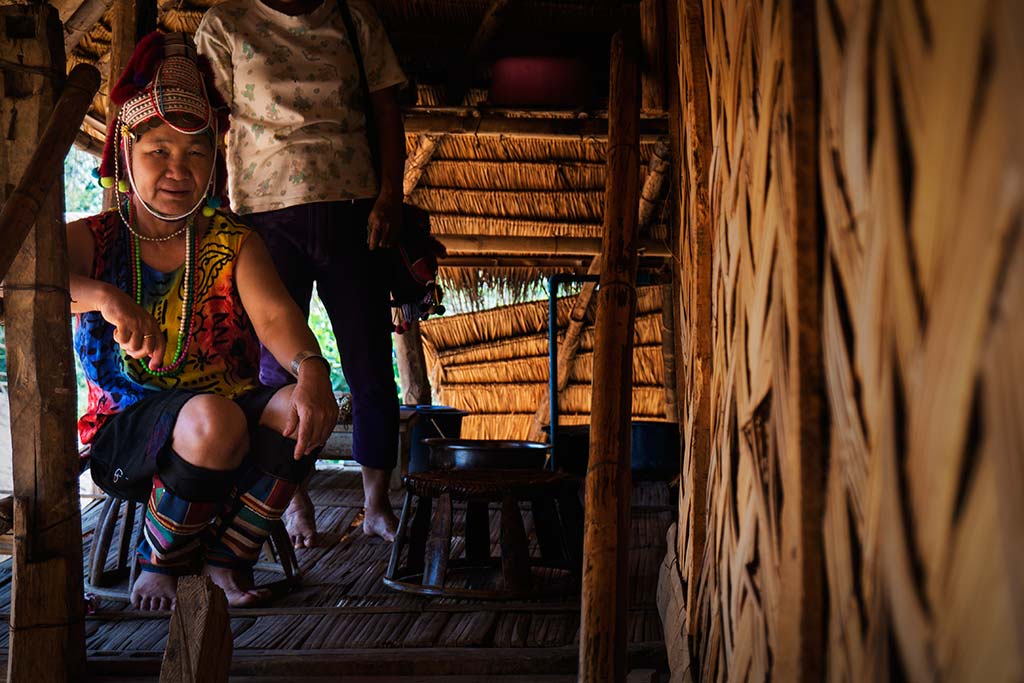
{"x":171,"y":169}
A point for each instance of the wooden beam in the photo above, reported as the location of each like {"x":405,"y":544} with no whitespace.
{"x":654,"y":183}
{"x":43,"y":162}
{"x":522,"y":123}
{"x":417,"y":162}
{"x":415,"y":662}
{"x":82,"y":20}
{"x":199,"y":638}
{"x":603,"y":632}
{"x":579,"y":263}
{"x":47,"y":632}
{"x":652,"y":33}
{"x":560,"y":246}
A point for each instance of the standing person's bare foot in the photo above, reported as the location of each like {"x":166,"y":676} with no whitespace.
{"x":380,"y":519}
{"x":238,"y":586}
{"x":381,"y":523}
{"x":300,"y":519}
{"x":154,"y":591}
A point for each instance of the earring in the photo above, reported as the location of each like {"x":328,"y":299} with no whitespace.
{"x":212,"y":204}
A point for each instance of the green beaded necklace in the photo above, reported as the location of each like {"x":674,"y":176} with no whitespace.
{"x":185,"y":330}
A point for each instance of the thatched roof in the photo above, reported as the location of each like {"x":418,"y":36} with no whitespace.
{"x":491,"y":176}
{"x":494,"y":364}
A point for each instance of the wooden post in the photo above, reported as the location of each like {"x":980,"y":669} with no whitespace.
{"x":412,"y":366}
{"x":652,"y":31}
{"x":47,"y":636}
{"x":668,"y":350}
{"x":131,"y":21}
{"x":697,"y":149}
{"x":199,"y":641}
{"x":603,"y":622}
{"x":42,"y":162}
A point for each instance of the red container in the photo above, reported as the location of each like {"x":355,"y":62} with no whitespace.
{"x":558,"y":82}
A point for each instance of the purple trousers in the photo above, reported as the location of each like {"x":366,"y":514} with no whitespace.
{"x":325,"y":243}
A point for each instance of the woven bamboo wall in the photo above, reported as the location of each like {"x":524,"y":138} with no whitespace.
{"x":920,"y":161}
{"x":863,"y":524}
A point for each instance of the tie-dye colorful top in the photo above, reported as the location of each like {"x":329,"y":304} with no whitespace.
{"x":223,"y":357}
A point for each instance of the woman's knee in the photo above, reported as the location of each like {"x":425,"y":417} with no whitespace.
{"x":211,"y":432}
{"x":275,"y":414}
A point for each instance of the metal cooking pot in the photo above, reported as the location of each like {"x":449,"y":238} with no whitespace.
{"x":461,"y":454}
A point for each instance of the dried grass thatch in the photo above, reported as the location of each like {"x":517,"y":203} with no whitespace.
{"x":492,"y":175}
{"x":555,"y":206}
{"x":491,"y":148}
{"x":452,"y":224}
{"x":494,"y":364}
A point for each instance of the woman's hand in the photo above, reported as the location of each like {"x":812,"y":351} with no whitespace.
{"x":384,"y":222}
{"x":135,"y":329}
{"x":312,"y":412}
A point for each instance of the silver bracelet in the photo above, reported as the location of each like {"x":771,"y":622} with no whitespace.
{"x":303,"y":356}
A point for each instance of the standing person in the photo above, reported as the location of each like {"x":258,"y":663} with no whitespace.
{"x":301,"y":172}
{"x":172,"y":300}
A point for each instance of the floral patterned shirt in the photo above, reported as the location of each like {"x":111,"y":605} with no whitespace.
{"x":298,"y":130}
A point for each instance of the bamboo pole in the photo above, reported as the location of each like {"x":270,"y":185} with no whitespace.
{"x":560,"y":246}
{"x":603,"y":623}
{"x":697,"y":443}
{"x":47,"y":162}
{"x":522,"y":123}
{"x":417,"y":162}
{"x":47,"y":634}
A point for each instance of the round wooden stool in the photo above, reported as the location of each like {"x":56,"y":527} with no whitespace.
{"x":279,"y":555}
{"x":424,"y":537}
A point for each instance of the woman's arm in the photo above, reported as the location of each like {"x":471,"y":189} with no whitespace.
{"x":135,"y":329}
{"x":385,"y":220}
{"x":281,"y":328}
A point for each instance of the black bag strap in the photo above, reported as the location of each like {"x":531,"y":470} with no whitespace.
{"x":364,"y":84}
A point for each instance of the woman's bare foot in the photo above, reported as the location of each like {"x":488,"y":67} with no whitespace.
{"x":300,"y":520}
{"x":380,"y":520}
{"x":154,"y":591}
{"x":381,"y":523}
{"x":238,"y":586}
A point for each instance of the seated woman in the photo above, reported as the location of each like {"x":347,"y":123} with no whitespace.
{"x":172,"y":302}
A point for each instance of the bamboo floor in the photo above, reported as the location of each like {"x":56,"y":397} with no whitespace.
{"x":342,"y":619}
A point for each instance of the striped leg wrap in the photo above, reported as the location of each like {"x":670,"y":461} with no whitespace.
{"x":258,"y":507}
{"x":172,"y":530}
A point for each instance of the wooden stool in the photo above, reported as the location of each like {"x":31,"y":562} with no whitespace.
{"x":278,"y":549}
{"x":427,"y":538}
